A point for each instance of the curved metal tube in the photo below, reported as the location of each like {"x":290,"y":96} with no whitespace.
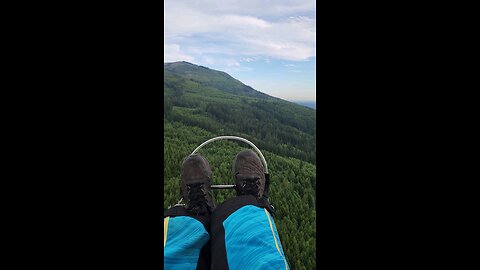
{"x":234,"y":138}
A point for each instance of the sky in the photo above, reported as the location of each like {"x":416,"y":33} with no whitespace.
{"x":269,"y":45}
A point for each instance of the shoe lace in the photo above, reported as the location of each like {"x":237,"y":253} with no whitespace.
{"x":196,"y":197}
{"x":250,"y":185}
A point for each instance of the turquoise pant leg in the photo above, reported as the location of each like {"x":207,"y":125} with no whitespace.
{"x":184,"y":237}
{"x":252,"y":241}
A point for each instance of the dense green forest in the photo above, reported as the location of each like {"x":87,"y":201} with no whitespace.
{"x":201,"y":103}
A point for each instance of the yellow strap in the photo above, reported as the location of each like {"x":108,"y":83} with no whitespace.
{"x":275,"y":238}
{"x":165,"y":230}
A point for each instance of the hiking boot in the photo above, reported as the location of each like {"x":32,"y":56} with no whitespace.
{"x":249,"y":174}
{"x":195,"y":181}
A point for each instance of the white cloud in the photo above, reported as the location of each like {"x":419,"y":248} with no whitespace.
{"x":271,"y":8}
{"x":248,"y":59}
{"x":171,"y":53}
{"x":244,"y":29}
{"x":233,"y":63}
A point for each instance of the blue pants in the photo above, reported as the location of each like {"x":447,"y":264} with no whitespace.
{"x":240,"y":234}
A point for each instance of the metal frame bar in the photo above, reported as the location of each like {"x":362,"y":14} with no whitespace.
{"x":222,"y":186}
{"x":238,"y":139}
{"x":232,"y":138}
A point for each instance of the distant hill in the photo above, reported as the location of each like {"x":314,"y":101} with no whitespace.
{"x":212,"y":78}
{"x":309,"y":104}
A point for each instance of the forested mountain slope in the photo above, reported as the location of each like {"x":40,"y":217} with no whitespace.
{"x":201,"y":103}
{"x":224,"y":104}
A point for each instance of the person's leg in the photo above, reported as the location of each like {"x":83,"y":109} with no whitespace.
{"x":243,"y":231}
{"x":186,"y":230}
{"x":185,"y":240}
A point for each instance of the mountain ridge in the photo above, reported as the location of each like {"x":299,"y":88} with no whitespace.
{"x":212,"y":77}
{"x":185,"y":68}
{"x":215,"y":101}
